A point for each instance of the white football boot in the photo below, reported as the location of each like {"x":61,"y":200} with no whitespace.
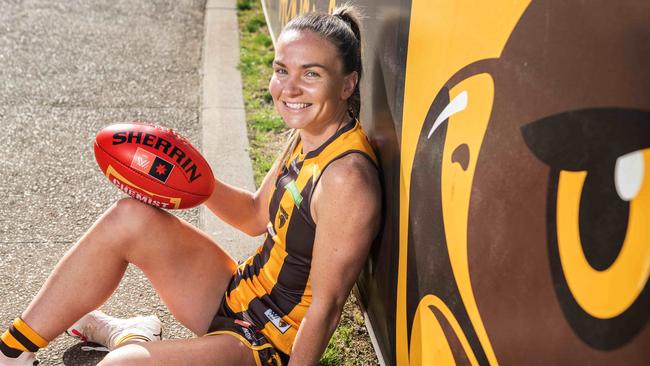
{"x":111,"y":332}
{"x":25,"y":359}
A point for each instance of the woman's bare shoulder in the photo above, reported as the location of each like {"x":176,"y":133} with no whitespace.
{"x":352,"y":169}
{"x":351,"y":185}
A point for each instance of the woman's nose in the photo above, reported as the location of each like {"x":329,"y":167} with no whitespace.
{"x":291,"y":87}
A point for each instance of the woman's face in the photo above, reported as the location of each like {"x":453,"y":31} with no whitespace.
{"x":308,"y":85}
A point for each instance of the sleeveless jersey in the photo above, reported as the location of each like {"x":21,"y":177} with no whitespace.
{"x":271,"y":289}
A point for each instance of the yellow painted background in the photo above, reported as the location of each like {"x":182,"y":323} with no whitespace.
{"x":444,"y":36}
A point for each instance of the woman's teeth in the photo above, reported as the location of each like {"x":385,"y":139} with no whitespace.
{"x":297,"y":105}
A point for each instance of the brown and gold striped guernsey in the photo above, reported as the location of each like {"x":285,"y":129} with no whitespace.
{"x":272,"y":288}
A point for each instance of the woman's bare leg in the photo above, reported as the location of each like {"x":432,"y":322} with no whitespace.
{"x":213,"y":351}
{"x":186,"y":268}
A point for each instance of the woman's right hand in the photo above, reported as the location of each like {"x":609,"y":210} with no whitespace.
{"x":244,"y":210}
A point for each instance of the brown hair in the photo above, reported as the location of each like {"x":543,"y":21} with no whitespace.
{"x":341,"y":28}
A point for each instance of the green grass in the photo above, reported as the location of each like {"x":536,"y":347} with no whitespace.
{"x":265,"y":127}
{"x":243,"y":5}
{"x":350,"y":344}
{"x":331,"y":356}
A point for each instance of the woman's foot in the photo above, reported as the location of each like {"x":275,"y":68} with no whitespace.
{"x":111,"y":332}
{"x":25,"y":359}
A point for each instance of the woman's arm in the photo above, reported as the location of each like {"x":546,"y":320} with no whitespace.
{"x":346,"y":207}
{"x":242,"y":209}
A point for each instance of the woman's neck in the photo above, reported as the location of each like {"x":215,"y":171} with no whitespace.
{"x":312,"y":139}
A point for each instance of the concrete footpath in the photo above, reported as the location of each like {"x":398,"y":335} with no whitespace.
{"x":223,"y":119}
{"x":70,"y":67}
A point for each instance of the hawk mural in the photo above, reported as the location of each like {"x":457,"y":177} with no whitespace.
{"x":514,"y":138}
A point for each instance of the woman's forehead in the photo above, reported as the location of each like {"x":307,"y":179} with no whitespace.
{"x":304,"y":47}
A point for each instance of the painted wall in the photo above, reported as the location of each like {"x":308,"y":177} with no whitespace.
{"x":514,"y":138}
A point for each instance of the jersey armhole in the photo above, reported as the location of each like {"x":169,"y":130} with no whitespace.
{"x":346,"y":153}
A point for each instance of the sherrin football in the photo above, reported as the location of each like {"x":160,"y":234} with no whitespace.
{"x":154,"y":165}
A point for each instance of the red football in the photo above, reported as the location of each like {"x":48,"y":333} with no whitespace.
{"x":154,"y":164}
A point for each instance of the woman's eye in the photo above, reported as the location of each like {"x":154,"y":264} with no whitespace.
{"x":280,"y":71}
{"x":312,"y":74}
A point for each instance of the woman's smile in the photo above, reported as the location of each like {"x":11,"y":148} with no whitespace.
{"x":294,"y":106}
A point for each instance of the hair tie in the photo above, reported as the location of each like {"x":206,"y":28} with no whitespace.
{"x":345,"y":18}
{"x":350,"y":22}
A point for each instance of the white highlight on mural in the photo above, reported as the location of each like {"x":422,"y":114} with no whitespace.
{"x":456,"y":105}
{"x":628,"y":175}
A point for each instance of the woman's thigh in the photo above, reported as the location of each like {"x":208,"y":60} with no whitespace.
{"x":187,"y":268}
{"x":213,"y":350}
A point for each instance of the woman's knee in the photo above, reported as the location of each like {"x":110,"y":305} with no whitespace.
{"x":132,"y":215}
{"x":122,"y":224}
{"x":130,"y":354}
{"x":132,"y":208}
{"x":213,"y":350}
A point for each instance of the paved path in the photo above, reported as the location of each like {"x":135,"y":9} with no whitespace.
{"x":223,"y":118}
{"x":69,"y":67}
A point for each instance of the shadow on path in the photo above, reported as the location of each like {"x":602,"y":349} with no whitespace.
{"x":75,"y":356}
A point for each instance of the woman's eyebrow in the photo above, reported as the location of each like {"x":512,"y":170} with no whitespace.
{"x":305,"y":66}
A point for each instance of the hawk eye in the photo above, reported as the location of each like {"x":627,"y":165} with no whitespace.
{"x":628,"y":175}
{"x":597,"y":222}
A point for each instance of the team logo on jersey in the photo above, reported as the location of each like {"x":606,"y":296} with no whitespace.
{"x":277,"y":321}
{"x":284,"y":216}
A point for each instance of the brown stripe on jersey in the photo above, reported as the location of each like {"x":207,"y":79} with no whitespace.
{"x":274,"y":205}
{"x":253,"y":269}
{"x":305,"y":206}
{"x":306,"y":194}
{"x":291,"y":284}
{"x":302,"y":229}
{"x":227,"y":311}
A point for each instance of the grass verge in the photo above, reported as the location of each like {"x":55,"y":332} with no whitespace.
{"x":265,"y":127}
{"x":350,"y":345}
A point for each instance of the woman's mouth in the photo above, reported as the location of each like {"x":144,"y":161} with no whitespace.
{"x":296,"y":106}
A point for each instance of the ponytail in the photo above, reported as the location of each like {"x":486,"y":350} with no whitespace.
{"x":352,"y":58}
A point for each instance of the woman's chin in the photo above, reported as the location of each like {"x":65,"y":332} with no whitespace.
{"x":293,"y":122}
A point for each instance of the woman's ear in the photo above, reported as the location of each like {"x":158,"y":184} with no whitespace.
{"x":349,"y":84}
